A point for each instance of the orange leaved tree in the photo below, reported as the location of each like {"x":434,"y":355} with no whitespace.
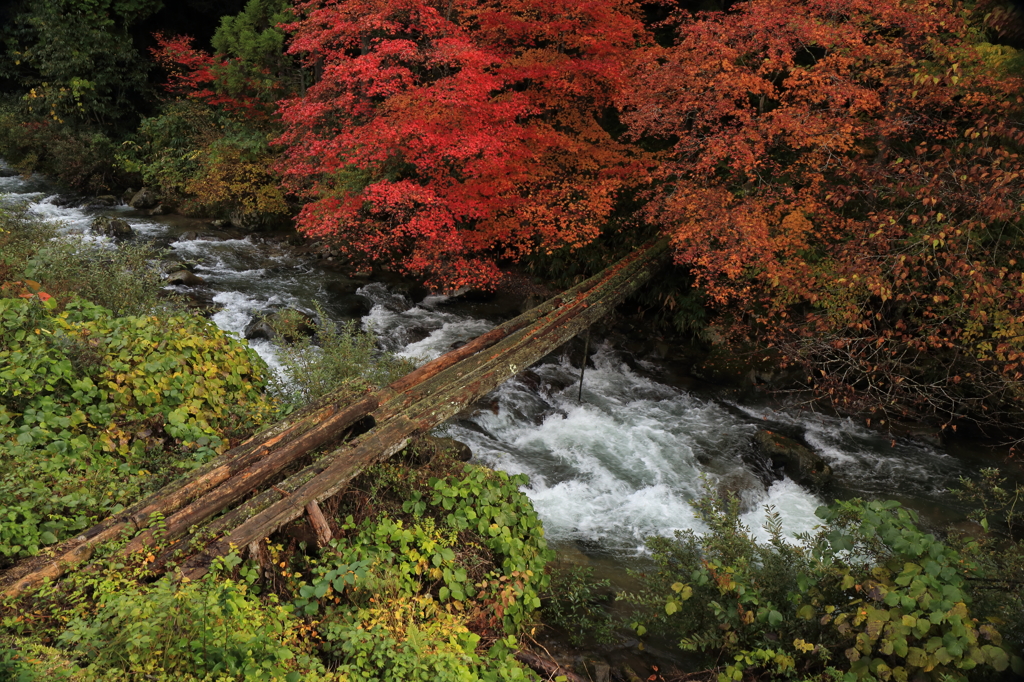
{"x":844,"y":176}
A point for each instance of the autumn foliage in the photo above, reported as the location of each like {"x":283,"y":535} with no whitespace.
{"x":443,"y":136}
{"x":841,"y":177}
{"x":845,"y":175}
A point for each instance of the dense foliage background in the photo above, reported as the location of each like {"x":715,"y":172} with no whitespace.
{"x":841,"y":185}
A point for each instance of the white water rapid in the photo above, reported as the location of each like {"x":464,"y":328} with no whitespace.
{"x":606,"y":471}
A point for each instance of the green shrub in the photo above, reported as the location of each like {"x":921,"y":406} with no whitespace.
{"x":109,"y":626}
{"x":91,"y":405}
{"x":193,"y":628}
{"x":338,"y":354}
{"x":996,"y":555}
{"x":80,"y":159}
{"x":395,"y":600}
{"x":122,"y":278}
{"x":870,"y":595}
{"x":574,"y":603}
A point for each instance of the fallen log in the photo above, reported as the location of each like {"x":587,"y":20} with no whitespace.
{"x":398,"y":395}
{"x":410,"y":406}
{"x":504,"y":359}
{"x":548,"y":669}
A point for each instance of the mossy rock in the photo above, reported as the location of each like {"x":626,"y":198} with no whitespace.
{"x":798,"y":461}
{"x":112,"y":227}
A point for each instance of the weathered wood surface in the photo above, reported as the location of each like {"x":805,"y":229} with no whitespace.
{"x":410,"y":406}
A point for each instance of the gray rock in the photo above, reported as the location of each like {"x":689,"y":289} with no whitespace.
{"x":128,"y":194}
{"x":266,"y":326}
{"x":144,"y":198}
{"x":112,"y":227}
{"x":183,"y":277}
{"x":221,"y":223}
{"x":160,"y":209}
{"x":104,"y":200}
{"x":798,"y":461}
{"x":457,"y":448}
{"x":745,"y":485}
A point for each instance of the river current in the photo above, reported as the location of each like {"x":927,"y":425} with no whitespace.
{"x":605,"y":471}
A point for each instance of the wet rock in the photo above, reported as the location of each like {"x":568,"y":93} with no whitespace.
{"x":128,"y":194}
{"x":747,"y":486}
{"x":144,"y":198}
{"x":797,"y":460}
{"x":103,"y":200}
{"x":65,"y":200}
{"x":260,"y":328}
{"x":183,"y":277}
{"x":189,"y":236}
{"x":8,"y":173}
{"x":112,"y":227}
{"x":160,"y":209}
{"x":288,"y":324}
{"x":198,"y":301}
{"x":251,"y":221}
{"x":457,"y":449}
{"x":351,"y":306}
{"x":221,"y":223}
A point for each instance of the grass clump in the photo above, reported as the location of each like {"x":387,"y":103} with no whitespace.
{"x":121,"y":278}
{"x":329,"y":355}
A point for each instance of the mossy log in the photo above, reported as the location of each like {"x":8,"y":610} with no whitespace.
{"x":410,"y":406}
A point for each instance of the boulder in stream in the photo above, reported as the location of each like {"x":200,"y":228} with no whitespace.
{"x":288,"y":323}
{"x":797,"y":460}
{"x":103,"y":200}
{"x":183,"y":277}
{"x":112,"y":227}
{"x":746,"y":486}
{"x":144,"y":198}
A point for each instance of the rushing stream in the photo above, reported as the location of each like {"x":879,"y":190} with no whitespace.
{"x":605,"y":471}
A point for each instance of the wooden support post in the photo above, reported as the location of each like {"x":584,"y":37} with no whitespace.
{"x":583,"y":365}
{"x":319,"y":524}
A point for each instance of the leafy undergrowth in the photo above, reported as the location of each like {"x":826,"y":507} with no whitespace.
{"x":431,"y":574}
{"x":868,"y":597}
{"x":96,"y":409}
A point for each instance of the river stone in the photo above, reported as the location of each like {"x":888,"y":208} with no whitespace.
{"x":169,"y":266}
{"x":144,"y":198}
{"x":798,"y":461}
{"x":160,"y":209}
{"x":424,"y":449}
{"x":265,"y":326}
{"x":183,"y":277}
{"x":103,"y":200}
{"x":112,"y":227}
{"x":745,"y":485}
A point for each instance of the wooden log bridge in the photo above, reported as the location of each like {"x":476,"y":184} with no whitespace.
{"x":248,"y":485}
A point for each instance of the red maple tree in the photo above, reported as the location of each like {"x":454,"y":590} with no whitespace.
{"x":443,"y":136}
